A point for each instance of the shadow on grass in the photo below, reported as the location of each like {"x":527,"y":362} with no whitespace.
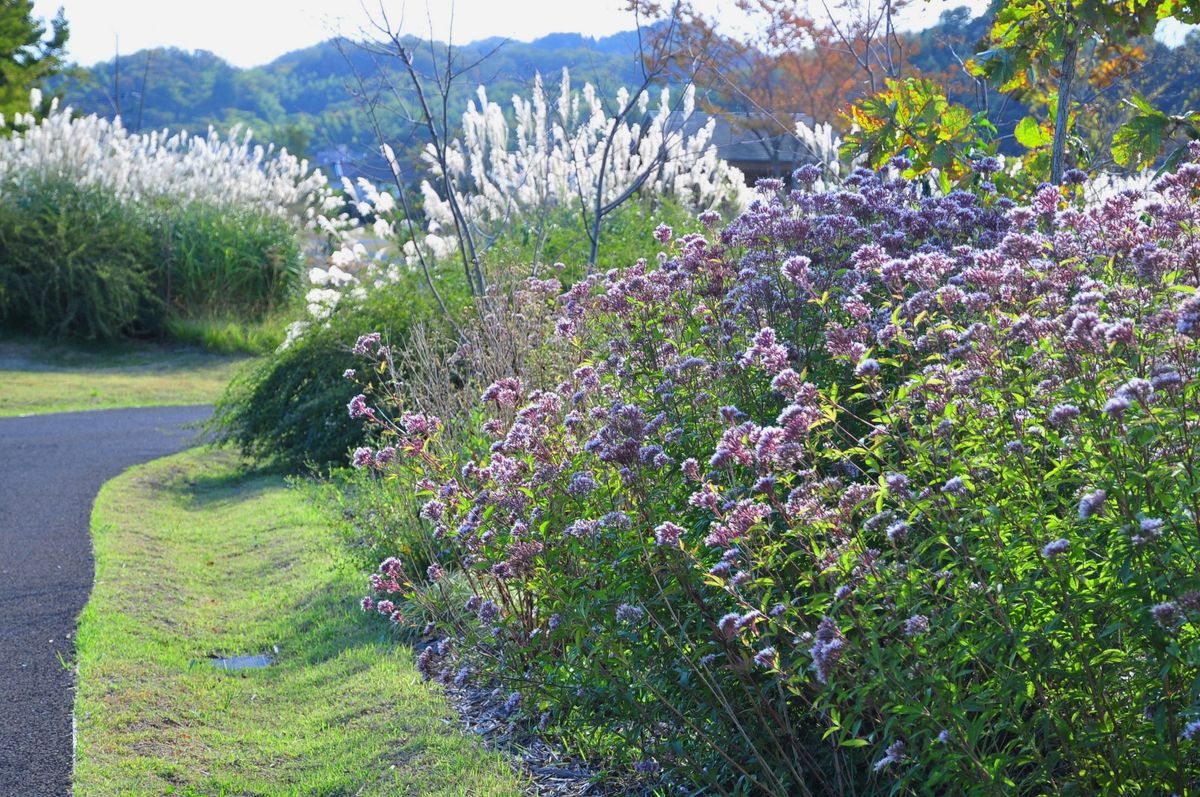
{"x":329,"y":626}
{"x":226,"y":485}
{"x":326,"y":626}
{"x":326,"y":623}
{"x":23,"y":352}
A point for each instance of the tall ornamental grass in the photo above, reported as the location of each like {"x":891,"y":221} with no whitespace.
{"x":867,"y":492}
{"x":74,"y":263}
{"x":563,"y":151}
{"x":530,"y":185}
{"x":176,"y":168}
{"x":106,"y":233}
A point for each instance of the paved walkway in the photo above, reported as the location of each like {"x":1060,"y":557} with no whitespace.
{"x":51,"y":467}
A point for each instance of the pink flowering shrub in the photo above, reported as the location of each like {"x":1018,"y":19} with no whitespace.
{"x":867,"y":492}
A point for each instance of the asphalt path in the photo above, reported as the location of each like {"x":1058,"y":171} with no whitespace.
{"x":51,"y":467}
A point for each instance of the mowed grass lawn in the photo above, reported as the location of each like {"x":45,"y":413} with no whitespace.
{"x":194,"y":558}
{"x":39,"y":377}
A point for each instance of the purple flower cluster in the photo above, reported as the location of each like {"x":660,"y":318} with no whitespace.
{"x":1091,"y":504}
{"x":632,"y":615}
{"x":893,"y":755}
{"x":1149,"y":529}
{"x":367,"y":344}
{"x":668,"y":533}
{"x":1055,"y":548}
{"x":767,"y":657}
{"x":1063,"y":414}
{"x":1189,"y":317}
{"x":917,"y":625}
{"x":827,"y":647}
{"x":1166,"y":614}
{"x":358,"y":407}
{"x":363,"y":457}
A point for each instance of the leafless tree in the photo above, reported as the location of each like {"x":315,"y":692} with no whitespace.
{"x":426,"y":100}
{"x":423,"y":95}
{"x":658,"y":57}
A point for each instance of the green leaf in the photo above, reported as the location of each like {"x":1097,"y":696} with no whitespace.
{"x":1141,"y":103}
{"x":942,"y":156}
{"x":1030,"y":134}
{"x":1139,"y":140}
{"x":1172,"y":161}
{"x":955,"y":119}
{"x":944,"y":182}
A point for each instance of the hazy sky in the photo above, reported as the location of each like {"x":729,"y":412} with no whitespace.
{"x":252,"y":32}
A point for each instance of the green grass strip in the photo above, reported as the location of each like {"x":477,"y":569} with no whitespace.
{"x":194,"y":558}
{"x":37,"y":379}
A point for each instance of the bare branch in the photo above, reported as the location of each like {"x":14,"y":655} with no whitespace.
{"x":369,"y":103}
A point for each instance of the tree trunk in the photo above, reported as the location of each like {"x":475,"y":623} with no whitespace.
{"x":1058,"y":150}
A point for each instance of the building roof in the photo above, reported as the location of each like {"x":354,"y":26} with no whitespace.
{"x":755,"y":138}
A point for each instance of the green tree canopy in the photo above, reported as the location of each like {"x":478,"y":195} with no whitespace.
{"x":1033,"y":47}
{"x":29,"y":52}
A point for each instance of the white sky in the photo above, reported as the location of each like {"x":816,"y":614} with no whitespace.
{"x":253,"y":32}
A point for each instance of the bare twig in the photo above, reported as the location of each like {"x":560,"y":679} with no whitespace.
{"x":369,"y":103}
{"x":436,"y":128}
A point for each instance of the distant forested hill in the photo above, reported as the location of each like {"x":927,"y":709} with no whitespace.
{"x":305,"y":100}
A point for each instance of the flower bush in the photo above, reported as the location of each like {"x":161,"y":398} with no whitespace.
{"x":867,"y":491}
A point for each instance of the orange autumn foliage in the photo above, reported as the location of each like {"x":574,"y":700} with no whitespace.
{"x":796,"y":63}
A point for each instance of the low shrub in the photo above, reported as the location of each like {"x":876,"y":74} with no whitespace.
{"x":868,"y":492}
{"x":561,"y":237}
{"x":289,"y":409}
